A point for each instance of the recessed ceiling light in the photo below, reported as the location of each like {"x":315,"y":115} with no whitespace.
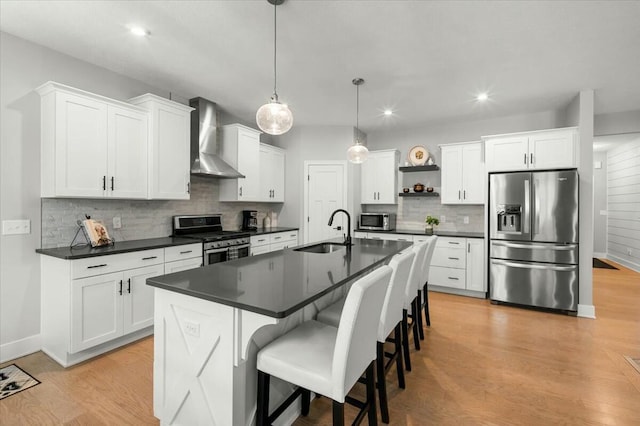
{"x":482,"y":97}
{"x":388,"y":112}
{"x":139,"y":31}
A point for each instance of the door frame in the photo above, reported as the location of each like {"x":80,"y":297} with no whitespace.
{"x":307,"y":165}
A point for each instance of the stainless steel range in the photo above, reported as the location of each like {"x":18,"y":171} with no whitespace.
{"x":217,"y":245}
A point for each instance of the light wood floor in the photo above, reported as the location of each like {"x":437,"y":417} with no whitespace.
{"x":482,"y":365}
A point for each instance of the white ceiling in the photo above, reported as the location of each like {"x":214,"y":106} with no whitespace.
{"x":425,"y":59}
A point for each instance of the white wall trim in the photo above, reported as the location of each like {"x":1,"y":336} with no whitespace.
{"x":600,"y":255}
{"x":20,"y":348}
{"x":587,"y":311}
{"x":624,"y":262}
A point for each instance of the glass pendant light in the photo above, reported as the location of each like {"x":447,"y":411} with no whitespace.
{"x":273,"y":117}
{"x":357,"y":153}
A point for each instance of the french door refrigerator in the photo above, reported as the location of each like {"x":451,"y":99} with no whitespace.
{"x":533,"y":237}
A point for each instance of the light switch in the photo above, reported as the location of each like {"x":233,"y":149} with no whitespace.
{"x":15,"y":227}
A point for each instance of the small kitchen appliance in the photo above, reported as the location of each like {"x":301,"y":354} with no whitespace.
{"x":249,"y":220}
{"x":378,"y":221}
{"x":217,"y":245}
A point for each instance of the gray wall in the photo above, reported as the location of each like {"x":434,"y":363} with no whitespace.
{"x":616,"y":123}
{"x":600,"y":204}
{"x":623,"y":198}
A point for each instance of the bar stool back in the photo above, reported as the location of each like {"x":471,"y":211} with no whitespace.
{"x":411,"y":301}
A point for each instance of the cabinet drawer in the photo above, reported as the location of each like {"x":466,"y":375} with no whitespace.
{"x":447,"y":277}
{"x":116,"y":262}
{"x":392,"y":237}
{"x":450,"y":257}
{"x":182,"y":252}
{"x":260,"y":240}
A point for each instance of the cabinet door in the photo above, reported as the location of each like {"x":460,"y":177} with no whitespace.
{"x":368,"y":181}
{"x":96,"y":310}
{"x":507,"y":153}
{"x":80,"y":146}
{"x":553,"y":150}
{"x":475,"y":264}
{"x":266,"y":173}
{"x":387,"y":178}
{"x":253,"y":251}
{"x":138,"y":297}
{"x":452,"y":170}
{"x":182,"y":265}
{"x":277,"y":170}
{"x":473,"y":174}
{"x":127,"y":157}
{"x":248,"y":165}
{"x":170,"y":155}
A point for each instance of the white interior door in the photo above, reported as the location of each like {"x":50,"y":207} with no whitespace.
{"x":325,"y":192}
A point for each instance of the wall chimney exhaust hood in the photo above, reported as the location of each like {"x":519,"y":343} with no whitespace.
{"x":205,"y":160}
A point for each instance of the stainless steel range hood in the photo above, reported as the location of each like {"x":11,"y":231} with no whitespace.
{"x":205,"y":160}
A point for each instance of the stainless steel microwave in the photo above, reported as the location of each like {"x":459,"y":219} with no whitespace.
{"x":378,"y":221}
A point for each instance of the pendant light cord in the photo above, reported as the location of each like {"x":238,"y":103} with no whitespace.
{"x":275,"y":47}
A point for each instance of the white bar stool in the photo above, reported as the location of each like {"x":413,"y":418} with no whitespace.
{"x":328,"y":360}
{"x":411,"y":302}
{"x":426,"y":264}
{"x":390,"y":320}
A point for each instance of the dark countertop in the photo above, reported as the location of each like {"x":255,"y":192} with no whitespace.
{"x":118,"y":247}
{"x":460,"y":234}
{"x":279,"y":283}
{"x":262,"y":231}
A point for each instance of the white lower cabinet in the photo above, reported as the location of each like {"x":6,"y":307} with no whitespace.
{"x":266,"y":243}
{"x":384,"y":236}
{"x":458,"y":263}
{"x":93,"y":305}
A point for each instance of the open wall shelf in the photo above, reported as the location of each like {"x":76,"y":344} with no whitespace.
{"x":418,"y":194}
{"x":430,"y":168}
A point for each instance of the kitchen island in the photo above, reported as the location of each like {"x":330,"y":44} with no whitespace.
{"x":211,"y":322}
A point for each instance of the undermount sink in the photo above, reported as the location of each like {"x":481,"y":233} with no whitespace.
{"x":322,"y":248}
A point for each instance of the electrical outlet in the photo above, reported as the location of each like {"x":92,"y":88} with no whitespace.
{"x":117,"y":222}
{"x":15,"y":227}
{"x":443,"y":218}
{"x":192,"y":328}
{"x":629,"y":252}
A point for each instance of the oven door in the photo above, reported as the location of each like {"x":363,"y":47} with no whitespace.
{"x":236,"y":252}
{"x":216,"y":255}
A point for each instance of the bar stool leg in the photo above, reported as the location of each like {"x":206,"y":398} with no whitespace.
{"x":382,"y":383}
{"x":405,"y":339}
{"x":397,"y":336}
{"x":338,"y":413}
{"x":419,"y":315}
{"x":262,"y":414}
{"x":426,"y":305}
{"x":371,"y":394}
{"x":416,"y":314}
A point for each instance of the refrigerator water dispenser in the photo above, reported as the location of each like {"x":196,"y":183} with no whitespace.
{"x":509,"y":217}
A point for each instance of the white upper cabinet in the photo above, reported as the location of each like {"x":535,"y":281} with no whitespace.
{"x":545,"y":149}
{"x":272,"y":163}
{"x":462,"y":173}
{"x":240,"y":148}
{"x":91,"y":146}
{"x":379,"y":184}
{"x":169,"y":147}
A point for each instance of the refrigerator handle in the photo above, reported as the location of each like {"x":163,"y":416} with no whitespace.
{"x":529,"y":246}
{"x":524,"y":265}
{"x":526,"y":213}
{"x":536,"y":209}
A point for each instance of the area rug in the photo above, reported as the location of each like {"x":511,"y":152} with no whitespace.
{"x":14,"y":380}
{"x":597,"y":263}
{"x":635,"y":362}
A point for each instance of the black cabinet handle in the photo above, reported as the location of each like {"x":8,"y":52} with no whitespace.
{"x":112,"y":179}
{"x":120,"y":291}
{"x":241,"y":191}
{"x":454,"y":258}
{"x":531,"y":158}
{"x":453,"y":242}
{"x":150,"y":257}
{"x":96,"y":266}
{"x":104,"y":183}
{"x":185,"y":252}
{"x":453,"y":278}
{"x":129,"y":285}
{"x":525,"y":158}
{"x":188,"y":187}
{"x":464,"y":194}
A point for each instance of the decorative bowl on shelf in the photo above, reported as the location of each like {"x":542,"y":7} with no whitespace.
{"x":405,"y":190}
{"x":418,"y":187}
{"x":429,"y":189}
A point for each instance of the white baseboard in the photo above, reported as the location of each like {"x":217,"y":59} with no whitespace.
{"x":624,"y":262}
{"x":587,"y":311}
{"x":19,"y":348}
{"x":600,"y":255}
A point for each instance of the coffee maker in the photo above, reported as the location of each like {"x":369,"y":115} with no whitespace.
{"x":249,"y":220}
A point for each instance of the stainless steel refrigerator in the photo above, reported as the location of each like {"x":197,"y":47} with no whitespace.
{"x":533,"y":237}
